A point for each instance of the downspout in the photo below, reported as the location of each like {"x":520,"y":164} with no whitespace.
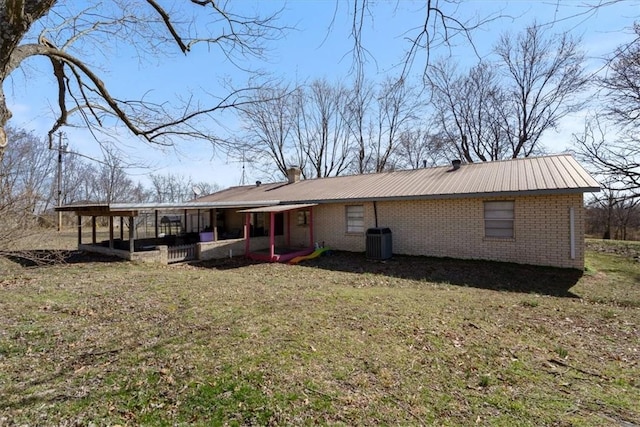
{"x":572,"y":233}
{"x":375,"y":213}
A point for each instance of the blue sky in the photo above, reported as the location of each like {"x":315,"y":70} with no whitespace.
{"x":319,"y":46}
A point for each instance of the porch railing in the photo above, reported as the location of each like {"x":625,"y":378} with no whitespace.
{"x":181,"y":253}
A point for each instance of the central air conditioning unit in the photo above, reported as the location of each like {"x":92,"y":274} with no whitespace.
{"x":379,"y":243}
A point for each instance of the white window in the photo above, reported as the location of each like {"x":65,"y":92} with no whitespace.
{"x":498,"y":219}
{"x":355,"y":219}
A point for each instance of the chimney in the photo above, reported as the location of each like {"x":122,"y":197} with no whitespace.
{"x":293,"y":174}
{"x":456,"y":164}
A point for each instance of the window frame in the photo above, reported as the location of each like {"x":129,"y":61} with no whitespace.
{"x":303,"y":218}
{"x":499,"y":217}
{"x":351,"y":214}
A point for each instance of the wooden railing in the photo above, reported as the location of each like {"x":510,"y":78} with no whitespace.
{"x":181,"y":253}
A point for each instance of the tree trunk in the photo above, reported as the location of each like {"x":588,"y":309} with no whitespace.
{"x":16,"y":17}
{"x":5,"y":114}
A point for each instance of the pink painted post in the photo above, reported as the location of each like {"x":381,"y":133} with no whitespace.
{"x":247,"y":227}
{"x":272,"y":235}
{"x":311,"y":225}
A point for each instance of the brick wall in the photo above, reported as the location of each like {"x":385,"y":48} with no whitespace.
{"x":455,"y":228}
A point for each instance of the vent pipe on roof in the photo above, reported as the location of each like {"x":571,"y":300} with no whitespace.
{"x":258,"y":183}
{"x":456,"y":164}
{"x":293,"y":174}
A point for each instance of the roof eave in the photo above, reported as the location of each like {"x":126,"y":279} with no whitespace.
{"x":520,"y":193}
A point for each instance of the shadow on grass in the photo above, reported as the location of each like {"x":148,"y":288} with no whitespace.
{"x":492,"y":275}
{"x":33,"y":258}
{"x":472,"y":273}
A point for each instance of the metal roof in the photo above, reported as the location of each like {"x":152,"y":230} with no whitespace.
{"x":133,"y":208}
{"x":279,"y":208}
{"x":556,"y":174}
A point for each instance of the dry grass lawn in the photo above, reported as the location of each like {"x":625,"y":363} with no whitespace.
{"x":337,"y":340}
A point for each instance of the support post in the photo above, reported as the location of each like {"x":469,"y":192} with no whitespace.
{"x":289,"y":228}
{"x":132,"y":234}
{"x":272,"y":235}
{"x":213,"y":223}
{"x":247,"y":239}
{"x":79,"y":230}
{"x":311,"y":226}
{"x":155,"y":212}
{"x":110,"y":232}
{"x":122,"y":228}
{"x":185,"y":221}
{"x":93,"y":230}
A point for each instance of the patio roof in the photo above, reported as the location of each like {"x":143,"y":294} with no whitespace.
{"x":133,"y":209}
{"x":279,"y":208}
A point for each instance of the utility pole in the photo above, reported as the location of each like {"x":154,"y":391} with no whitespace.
{"x":61,"y":150}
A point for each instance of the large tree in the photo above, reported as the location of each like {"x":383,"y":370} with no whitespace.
{"x":610,"y":142}
{"x":468,"y":110}
{"x":545,"y":74}
{"x":73,"y":34}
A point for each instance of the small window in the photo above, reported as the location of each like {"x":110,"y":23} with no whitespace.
{"x":303,"y":217}
{"x":498,"y":219}
{"x":355,"y":219}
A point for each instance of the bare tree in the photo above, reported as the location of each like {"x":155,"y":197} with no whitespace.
{"x":28,"y":171}
{"x":545,"y":73}
{"x":268,"y":140}
{"x":358,"y":122}
{"x":26,"y":177}
{"x":614,"y":157}
{"x":622,"y":83}
{"x":320,"y":129}
{"x":171,"y":188}
{"x":615,"y":153}
{"x":418,"y":148}
{"x":438,"y":23}
{"x":613,"y":214}
{"x":469,"y":112}
{"x":147,"y":26}
{"x":112,"y":184}
{"x":398,"y":107}
{"x":78,"y":179}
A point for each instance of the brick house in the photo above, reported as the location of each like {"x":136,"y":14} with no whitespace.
{"x":527,"y":211}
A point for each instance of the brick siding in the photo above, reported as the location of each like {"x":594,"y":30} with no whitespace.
{"x":455,"y":228}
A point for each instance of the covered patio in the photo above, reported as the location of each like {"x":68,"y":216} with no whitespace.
{"x":279,"y":250}
{"x":165,"y":232}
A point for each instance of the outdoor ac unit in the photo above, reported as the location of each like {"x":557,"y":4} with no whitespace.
{"x":379,"y":243}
